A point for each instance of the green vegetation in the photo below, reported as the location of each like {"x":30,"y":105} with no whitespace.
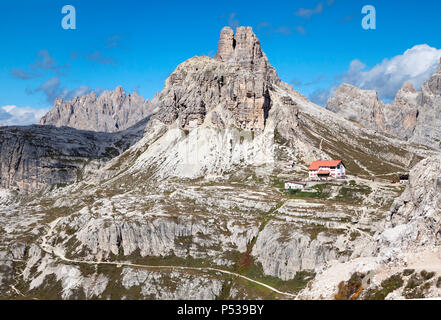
{"x":319,"y":191}
{"x":408,"y":272}
{"x":301,"y":279}
{"x":313,"y":230}
{"x":387,"y":286}
{"x":414,"y":281}
{"x":354,"y":235}
{"x":351,"y":193}
{"x":416,"y":287}
{"x":354,"y":193}
{"x":427,"y":275}
{"x":226,"y":289}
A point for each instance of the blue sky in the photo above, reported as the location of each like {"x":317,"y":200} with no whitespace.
{"x":314,"y":45}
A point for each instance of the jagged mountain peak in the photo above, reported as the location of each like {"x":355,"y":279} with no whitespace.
{"x":244,"y":48}
{"x":433,"y":84}
{"x":412,"y":116}
{"x":111,"y":111}
{"x":346,"y":87}
{"x":357,"y":104}
{"x":408,"y":87}
{"x":231,"y":89}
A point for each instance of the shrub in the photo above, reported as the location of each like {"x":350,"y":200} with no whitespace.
{"x":354,"y":235}
{"x":414,"y":281}
{"x":387,"y":286}
{"x":408,"y":272}
{"x":427,"y":275}
{"x":392,"y":283}
{"x":416,"y":293}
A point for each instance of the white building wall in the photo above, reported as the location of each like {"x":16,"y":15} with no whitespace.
{"x":334,"y":172}
{"x":293,"y":186}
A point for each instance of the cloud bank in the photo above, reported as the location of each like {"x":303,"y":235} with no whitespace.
{"x":43,"y":62}
{"x":12,"y":115}
{"x":307,"y":12}
{"x":415,"y":65}
{"x":53,"y":90}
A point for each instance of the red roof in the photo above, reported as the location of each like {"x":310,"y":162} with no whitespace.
{"x":318,"y":164}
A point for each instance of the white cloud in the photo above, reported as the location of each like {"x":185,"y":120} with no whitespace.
{"x":320,"y":96}
{"x":233,"y":22}
{"x":12,"y":115}
{"x":307,"y":13}
{"x":416,"y":65}
{"x":53,"y":90}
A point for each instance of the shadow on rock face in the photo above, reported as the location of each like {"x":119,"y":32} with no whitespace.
{"x":438,"y":192}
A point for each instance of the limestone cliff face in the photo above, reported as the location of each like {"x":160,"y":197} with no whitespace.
{"x":413,"y":116}
{"x":402,"y":115}
{"x":237,"y":80}
{"x":415,"y":219}
{"x":433,"y":85}
{"x":112,"y":111}
{"x":358,"y":105}
{"x":36,"y":157}
{"x":427,"y":130}
{"x":244,"y":49}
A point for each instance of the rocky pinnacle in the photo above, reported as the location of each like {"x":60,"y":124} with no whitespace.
{"x":236,"y":83}
{"x":244,"y":48}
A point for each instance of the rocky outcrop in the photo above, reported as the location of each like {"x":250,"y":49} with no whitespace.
{"x":184,"y":237}
{"x":176,"y":286}
{"x":433,"y":85}
{"x":227,"y":44}
{"x":362,"y":106}
{"x":244,"y":49}
{"x":298,"y":253}
{"x":35,"y":157}
{"x":413,"y":116}
{"x":210,"y":106}
{"x":238,"y":80}
{"x":427,"y":130}
{"x":402,"y":115}
{"x":112,"y":111}
{"x":358,"y":105}
{"x":415,"y":219}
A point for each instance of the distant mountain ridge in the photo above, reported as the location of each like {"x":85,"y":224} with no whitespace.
{"x":413,"y":116}
{"x":112,"y":111}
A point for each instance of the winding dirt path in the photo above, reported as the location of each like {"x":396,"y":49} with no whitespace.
{"x":53,"y":251}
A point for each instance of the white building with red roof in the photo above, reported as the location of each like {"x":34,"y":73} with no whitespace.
{"x":325,"y":169}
